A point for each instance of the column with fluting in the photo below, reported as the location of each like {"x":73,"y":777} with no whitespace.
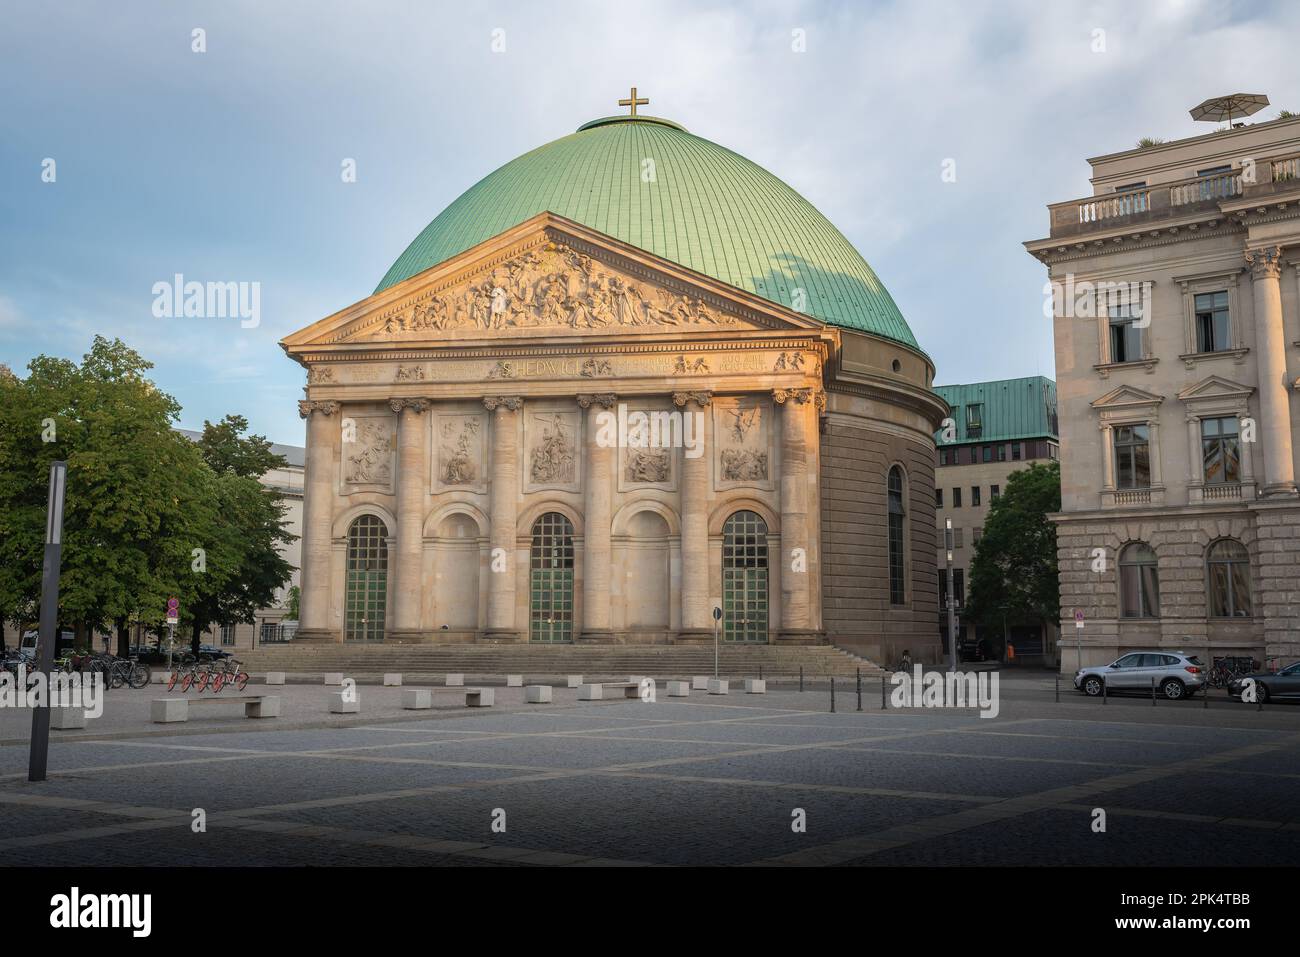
{"x":503,"y":494}
{"x":697,"y":622}
{"x":412,"y":491}
{"x":600,"y":452}
{"x":317,"y":519}
{"x":1270,"y":344}
{"x":795,"y":406}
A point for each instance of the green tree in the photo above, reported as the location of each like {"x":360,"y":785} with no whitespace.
{"x":1014,"y":569}
{"x":241,"y":566}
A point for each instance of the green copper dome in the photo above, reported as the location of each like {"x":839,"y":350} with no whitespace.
{"x":648,"y":182}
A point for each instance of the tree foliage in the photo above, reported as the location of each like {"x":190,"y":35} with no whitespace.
{"x":1014,"y":570}
{"x":140,"y":499}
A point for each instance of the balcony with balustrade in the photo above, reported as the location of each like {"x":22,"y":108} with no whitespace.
{"x":1266,"y":180}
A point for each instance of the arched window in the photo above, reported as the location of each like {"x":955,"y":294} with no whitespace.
{"x":366,"y":591}
{"x":1139,"y":582}
{"x":744,"y":577}
{"x":1228,"y":570}
{"x":550,"y":585}
{"x":897,"y":513}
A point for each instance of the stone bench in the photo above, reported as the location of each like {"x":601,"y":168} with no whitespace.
{"x":275,"y":677}
{"x":755,"y":686}
{"x":700,"y":683}
{"x":574,"y":681}
{"x":392,"y":680}
{"x":679,"y":689}
{"x":591,"y":692}
{"x":537,"y":694}
{"x":718,"y":686}
{"x":455,"y":681}
{"x":631,"y":689}
{"x":334,"y":678}
{"x":421,"y":699}
{"x":169,"y":710}
{"x":67,"y":719}
{"x":514,"y":681}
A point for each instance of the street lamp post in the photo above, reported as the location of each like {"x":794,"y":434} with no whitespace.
{"x":952,"y":599}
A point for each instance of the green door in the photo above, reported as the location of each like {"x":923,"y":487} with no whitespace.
{"x":550,"y":585}
{"x":744,"y":578}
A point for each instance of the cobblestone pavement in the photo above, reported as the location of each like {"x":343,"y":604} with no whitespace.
{"x":709,"y":779}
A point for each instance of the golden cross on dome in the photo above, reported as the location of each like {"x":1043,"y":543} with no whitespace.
{"x":633,"y":102}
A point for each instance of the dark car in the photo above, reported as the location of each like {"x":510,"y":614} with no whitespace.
{"x":211,"y":653}
{"x":1281,"y":685}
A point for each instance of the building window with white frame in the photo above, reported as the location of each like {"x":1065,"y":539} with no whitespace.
{"x":974,"y":420}
{"x":1220,"y":451}
{"x":1227,"y":566}
{"x":1212,"y":326}
{"x":1132,"y":457}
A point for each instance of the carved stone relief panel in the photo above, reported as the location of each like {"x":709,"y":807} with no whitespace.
{"x":551,"y":286}
{"x":369,"y":452}
{"x":460,"y":451}
{"x":552,"y":449}
{"x":652,"y":436}
{"x":742,"y":442}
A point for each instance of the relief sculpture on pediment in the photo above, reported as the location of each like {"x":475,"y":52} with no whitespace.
{"x":552,"y":286}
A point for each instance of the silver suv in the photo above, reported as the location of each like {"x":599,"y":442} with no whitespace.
{"x":1175,"y":674}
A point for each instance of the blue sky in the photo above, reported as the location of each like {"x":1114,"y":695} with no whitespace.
{"x":225,"y":165}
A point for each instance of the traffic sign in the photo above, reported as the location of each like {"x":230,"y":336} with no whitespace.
{"x":173,"y":610}
{"x":1078,"y":618}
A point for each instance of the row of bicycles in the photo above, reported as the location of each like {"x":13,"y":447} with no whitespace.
{"x":192,"y":674}
{"x":117,"y":672}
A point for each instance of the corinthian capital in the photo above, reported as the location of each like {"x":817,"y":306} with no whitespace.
{"x":603,"y":399}
{"x":702,"y":399}
{"x":417,"y":405}
{"x":1265,"y":262}
{"x":799,"y":396}
{"x":512,"y":402}
{"x":306,"y":408}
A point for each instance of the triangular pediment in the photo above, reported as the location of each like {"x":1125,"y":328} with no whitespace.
{"x":546,"y":277}
{"x":1215,"y":387}
{"x":1127,"y":396}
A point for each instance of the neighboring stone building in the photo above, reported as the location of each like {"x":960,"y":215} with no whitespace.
{"x":998,"y":427}
{"x":1177,"y":302}
{"x":463,"y":485}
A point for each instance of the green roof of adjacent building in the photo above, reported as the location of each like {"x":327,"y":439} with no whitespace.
{"x":650,"y":183}
{"x":1010,"y":409}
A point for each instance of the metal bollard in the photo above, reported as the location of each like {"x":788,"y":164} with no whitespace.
{"x":832,"y":694}
{"x":859,"y":689}
{"x":884,"y":704}
{"x":1205,"y":699}
{"x":1105,"y":691}
{"x":1153,"y":692}
{"x":1058,"y":689}
{"x":801,"y":677}
{"x":760,"y":672}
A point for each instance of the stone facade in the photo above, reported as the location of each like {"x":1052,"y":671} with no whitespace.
{"x":479,"y":468}
{"x":1202,"y":236}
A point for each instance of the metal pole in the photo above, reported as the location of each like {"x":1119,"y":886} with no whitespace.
{"x":832,"y":694}
{"x":859,"y":689}
{"x":952,"y":601}
{"x":715,"y":648}
{"x":38,"y":759}
{"x":884,"y":704}
{"x":1058,"y":689}
{"x":801,"y":677}
{"x":1153,"y":691}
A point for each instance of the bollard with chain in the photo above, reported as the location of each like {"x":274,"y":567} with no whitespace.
{"x":832,"y":694}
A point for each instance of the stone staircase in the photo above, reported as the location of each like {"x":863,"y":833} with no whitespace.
{"x":532,"y":661}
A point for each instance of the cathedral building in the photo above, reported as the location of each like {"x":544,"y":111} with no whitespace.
{"x":626,"y":382}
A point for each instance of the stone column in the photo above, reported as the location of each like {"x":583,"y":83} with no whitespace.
{"x":1107,"y":457}
{"x":1195,"y":460}
{"x":1156,"y":453}
{"x":412,"y":489}
{"x":597,"y":513}
{"x":795,"y":412}
{"x":317,"y":522}
{"x":697,"y":616}
{"x":1274,"y":400}
{"x":503,"y":495}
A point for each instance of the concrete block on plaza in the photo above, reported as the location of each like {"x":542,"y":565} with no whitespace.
{"x":480,"y":698}
{"x":334,"y":678}
{"x":167,"y":710}
{"x":341,"y":703}
{"x":538,"y":694}
{"x":590,"y":692}
{"x":755,"y":686}
{"x":717,"y":686}
{"x":417,"y":699}
{"x":700,"y":683}
{"x":392,"y":680}
{"x":267,"y":706}
{"x":679,"y":689}
{"x":275,"y":677}
{"x":160,"y":677}
{"x":455,"y":681}
{"x":514,"y":681}
{"x":574,"y":681}
{"x":67,"y":719}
